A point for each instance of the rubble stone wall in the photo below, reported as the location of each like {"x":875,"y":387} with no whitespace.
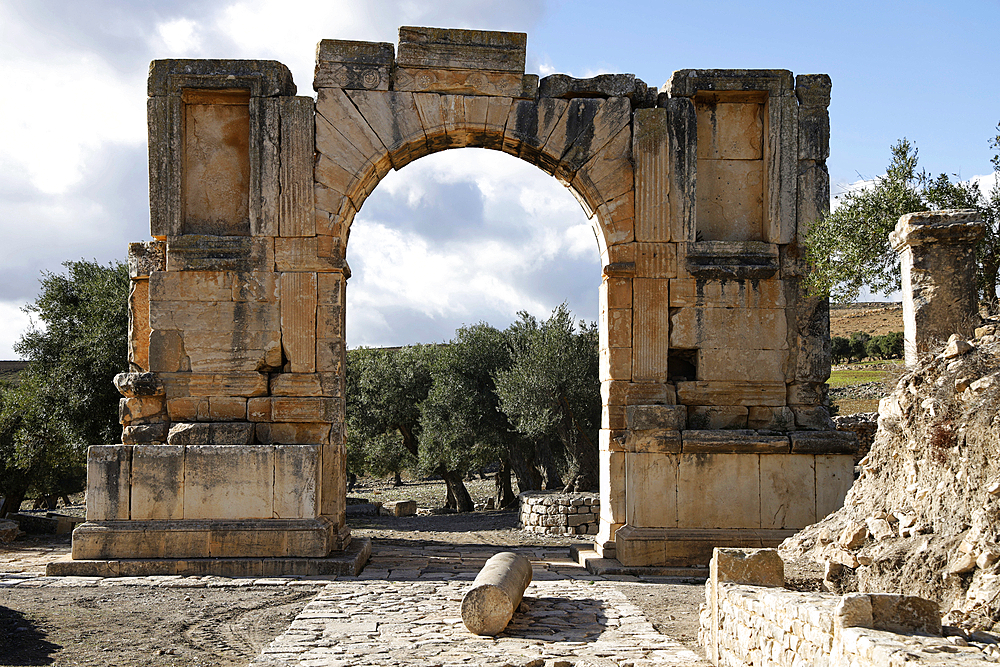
{"x":554,"y":513}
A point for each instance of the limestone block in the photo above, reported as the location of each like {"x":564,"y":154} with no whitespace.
{"x":834,"y":477}
{"x":496,"y":593}
{"x":167,"y":353}
{"x":782,"y":169}
{"x":298,"y":321}
{"x":306,"y":409}
{"x":613,"y":417}
{"x":718,"y":491}
{"x":295,"y":200}
{"x":144,"y":434}
{"x":109,"y":468}
{"x":334,"y":479}
{"x":905,"y":614}
{"x":617,"y":329}
{"x":609,"y":174}
{"x":227,"y":408}
{"x":584,"y":129}
{"x":528,"y":126}
{"x":770,"y":418}
{"x":187,"y":409}
{"x":138,"y":323}
{"x":656,"y":260}
{"x":651,"y":152}
{"x":650,"y":329}
{"x":394,"y":118}
{"x":249,"y":350}
{"x":741,"y":365}
{"x":146,"y":257}
{"x":353,"y":64}
{"x":635,"y":549}
{"x":463,"y":82}
{"x":854,"y":611}
{"x":761,"y":328}
{"x":402,"y":508}
{"x":658,"y":441}
{"x":330,"y":289}
{"x":787,"y":491}
{"x":157,"y":486}
{"x":807,"y":393}
{"x":461,"y":49}
{"x":645,"y":417}
{"x":616,"y":392}
{"x":200,"y":252}
{"x":813,"y":94}
{"x":227,"y":433}
{"x":330,"y":355}
{"x":255,"y":286}
{"x":651,"y":490}
{"x":751,"y":294}
{"x":824,"y":442}
{"x":296,"y":481}
{"x":303,"y":254}
{"x":816,"y":417}
{"x":228,"y":481}
{"x":729,"y":129}
{"x":615,"y":363}
{"x":730,"y":200}
{"x":609,"y":440}
{"x":717,"y":416}
{"x":682,"y":130}
{"x":344,"y":167}
{"x":753,"y":567}
{"x":299,"y":433}
{"x":213,"y":316}
{"x":813,"y":194}
{"x":214,"y":384}
{"x":305,"y":384}
{"x":612,"y":487}
{"x":731,"y":393}
{"x":809,"y":324}
{"x":141,"y":410}
{"x":734,"y":441}
{"x":190,"y":286}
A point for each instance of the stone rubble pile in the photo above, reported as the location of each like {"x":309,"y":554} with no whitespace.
{"x":554,"y":513}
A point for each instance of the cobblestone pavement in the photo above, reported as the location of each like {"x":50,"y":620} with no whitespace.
{"x":405,"y":609}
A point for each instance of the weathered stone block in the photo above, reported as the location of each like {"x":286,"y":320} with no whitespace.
{"x":733,"y":441}
{"x":293,"y":434}
{"x":834,"y":477}
{"x":731,"y":393}
{"x":717,"y":416}
{"x":141,"y":410}
{"x":138,"y":323}
{"x":157,"y":485}
{"x":753,"y":567}
{"x":750,"y":294}
{"x":737,"y":365}
{"x":737,"y":328}
{"x":461,"y":49}
{"x":227,"y":408}
{"x":651,"y":490}
{"x":651,"y":151}
{"x":612,"y":487}
{"x":109,"y":468}
{"x":645,"y":417}
{"x":228,"y":433}
{"x":770,"y":418}
{"x":228,"y":482}
{"x":296,"y":481}
{"x":787,"y":491}
{"x":353,"y":64}
{"x":650,"y":329}
{"x":718,"y":491}
{"x":824,"y":442}
{"x":657,"y":441}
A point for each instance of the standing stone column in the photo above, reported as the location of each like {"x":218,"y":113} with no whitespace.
{"x":937,"y":250}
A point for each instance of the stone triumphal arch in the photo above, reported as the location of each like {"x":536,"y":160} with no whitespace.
{"x":713,"y":358}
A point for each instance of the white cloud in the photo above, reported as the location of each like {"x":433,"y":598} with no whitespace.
{"x":177,"y":38}
{"x":13,"y":323}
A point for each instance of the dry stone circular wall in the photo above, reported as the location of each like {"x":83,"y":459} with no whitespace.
{"x":555,"y":513}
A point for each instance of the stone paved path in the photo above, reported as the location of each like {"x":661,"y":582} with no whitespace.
{"x":405,"y":610}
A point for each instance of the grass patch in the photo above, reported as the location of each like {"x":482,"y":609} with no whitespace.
{"x":850,"y":377}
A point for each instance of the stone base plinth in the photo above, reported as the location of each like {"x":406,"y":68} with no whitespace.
{"x":348,"y":562}
{"x":687,"y":547}
{"x":209,"y":538}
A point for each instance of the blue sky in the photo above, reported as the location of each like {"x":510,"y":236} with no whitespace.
{"x":466,"y":235}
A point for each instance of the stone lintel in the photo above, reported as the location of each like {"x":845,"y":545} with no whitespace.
{"x":603,"y":85}
{"x":199,"y":252}
{"x":736,"y":441}
{"x":732,"y":260}
{"x":689,"y":82}
{"x":263,"y":78}
{"x":949,"y":226}
{"x":462,"y":49}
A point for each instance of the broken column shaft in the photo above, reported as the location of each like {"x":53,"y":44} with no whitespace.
{"x":496,"y":593}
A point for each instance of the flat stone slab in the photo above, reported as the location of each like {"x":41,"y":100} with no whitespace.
{"x":419,"y":623}
{"x":587,"y":557}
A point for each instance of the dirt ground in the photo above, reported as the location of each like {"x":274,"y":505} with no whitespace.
{"x":876,"y":319}
{"x":227,"y":627}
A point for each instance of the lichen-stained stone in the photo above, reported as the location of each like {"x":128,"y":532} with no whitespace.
{"x":463,"y":82}
{"x":497,"y":112}
{"x":814,"y":417}
{"x":717,"y":416}
{"x":602,"y":85}
{"x":650,"y":329}
{"x":813,"y":94}
{"x":295,"y":199}
{"x":353,"y":64}
{"x":265,"y":160}
{"x":298,"y":321}
{"x":612,"y":487}
{"x":824,"y":442}
{"x":292,"y":433}
{"x":740,"y":441}
{"x":217,"y":316}
{"x":303,"y":254}
{"x":736,"y":328}
{"x":108,"y":472}
{"x":249,"y":383}
{"x":664,"y":417}
{"x":813,"y":195}
{"x":157,"y":485}
{"x":199,"y":252}
{"x":141,"y":410}
{"x":653,"y":441}
{"x":834,"y":478}
{"x":330,"y":355}
{"x":770,"y":418}
{"x":394,"y":118}
{"x":688,"y":292}
{"x":190,"y":286}
{"x":333,"y":481}
{"x":731,"y":393}
{"x":736,"y":365}
{"x":212,"y":433}
{"x":609,"y":174}
{"x":807,"y":393}
{"x":255,"y":286}
{"x":145,"y":258}
{"x":787,"y":491}
{"x":228,"y":482}
{"x":461,"y":49}
{"x":651,"y":490}
{"x":585,"y":128}
{"x":330,"y":289}
{"x":167,"y":353}
{"x":651,"y":153}
{"x":529,"y":124}
{"x":144,"y":434}
{"x":682,"y":132}
{"x":296,"y":481}
{"x":718,"y":491}
{"x":259,"y":409}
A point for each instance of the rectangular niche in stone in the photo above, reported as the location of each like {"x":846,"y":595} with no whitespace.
{"x":732,"y":173}
{"x":215,"y":190}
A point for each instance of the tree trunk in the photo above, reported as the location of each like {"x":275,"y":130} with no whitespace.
{"x":505,"y":494}
{"x":458,"y":496}
{"x":11,"y":503}
{"x":397,"y":480}
{"x":550,"y":473}
{"x":522,"y":463}
{"x":409,"y":441}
